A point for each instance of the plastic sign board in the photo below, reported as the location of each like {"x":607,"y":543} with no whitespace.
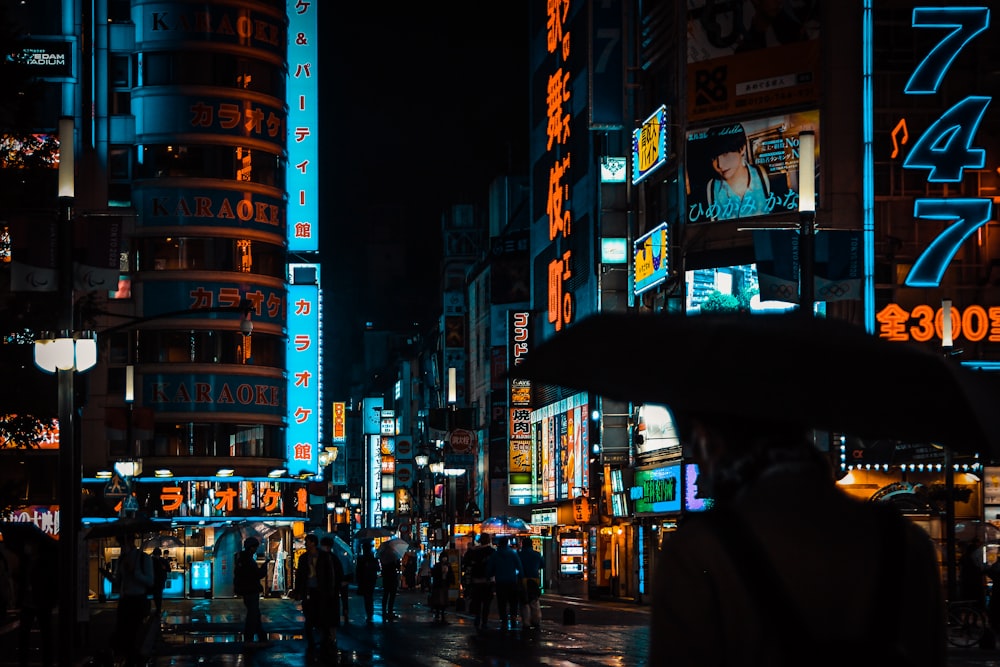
{"x":649,"y":145}
{"x":650,"y":254}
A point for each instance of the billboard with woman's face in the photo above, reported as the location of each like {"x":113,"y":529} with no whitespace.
{"x":746,"y":169}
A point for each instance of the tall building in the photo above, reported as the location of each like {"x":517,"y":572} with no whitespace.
{"x":196,"y":135}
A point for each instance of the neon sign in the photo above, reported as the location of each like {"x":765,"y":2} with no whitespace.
{"x":649,"y":145}
{"x":557,"y":131}
{"x":924,"y":323}
{"x":946,"y":147}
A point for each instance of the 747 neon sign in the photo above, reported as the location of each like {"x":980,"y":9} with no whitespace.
{"x":945,"y":149}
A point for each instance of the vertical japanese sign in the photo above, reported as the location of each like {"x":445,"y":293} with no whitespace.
{"x":339,"y":422}
{"x":520,"y":451}
{"x":303,"y":354}
{"x":302,"y":179}
{"x":558,"y":104}
{"x":649,"y":145}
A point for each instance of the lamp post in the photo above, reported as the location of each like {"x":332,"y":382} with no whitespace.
{"x":65,"y":353}
{"x":807,"y":220}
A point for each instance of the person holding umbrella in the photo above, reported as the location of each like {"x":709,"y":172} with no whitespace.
{"x":784,"y":567}
{"x":366,"y":572}
{"x":389,"y":563}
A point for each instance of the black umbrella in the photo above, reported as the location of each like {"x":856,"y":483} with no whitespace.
{"x":123,"y":527}
{"x":815,"y":372}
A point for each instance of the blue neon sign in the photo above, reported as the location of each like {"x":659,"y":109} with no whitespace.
{"x":946,"y":147}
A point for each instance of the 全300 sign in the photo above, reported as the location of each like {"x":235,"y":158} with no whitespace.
{"x":945,"y":148}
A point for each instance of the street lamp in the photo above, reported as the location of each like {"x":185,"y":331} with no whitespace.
{"x":64,"y":354}
{"x":807,"y":220}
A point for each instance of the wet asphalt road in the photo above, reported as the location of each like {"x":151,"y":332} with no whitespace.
{"x":208,"y":632}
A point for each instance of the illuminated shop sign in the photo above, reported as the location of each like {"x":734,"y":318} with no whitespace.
{"x":161,"y":207}
{"x":211,"y":392}
{"x":559,"y":309}
{"x":162,"y":297}
{"x":738,"y":64}
{"x":562,"y":449}
{"x":658,"y":430}
{"x":165,"y":23}
{"x":945,"y":148}
{"x":46,"y":59}
{"x":925,"y":323}
{"x":340,"y":421}
{"x":746,"y":169}
{"x":521,"y":453}
{"x":693,"y":500}
{"x":649,"y":145}
{"x":650,"y":254}
{"x":184,"y":497}
{"x":303,"y":355}
{"x":45,"y":518}
{"x":302,"y":98}
{"x":658,"y":489}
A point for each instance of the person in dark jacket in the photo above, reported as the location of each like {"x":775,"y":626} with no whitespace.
{"x":531,"y":585}
{"x":390,"y":584}
{"x":366,"y":571}
{"x":246,"y":583}
{"x":505,"y":568}
{"x":315,"y":587}
{"x":480,"y":585}
{"x":442,"y":577}
{"x":836,"y":560}
{"x":37,"y":596}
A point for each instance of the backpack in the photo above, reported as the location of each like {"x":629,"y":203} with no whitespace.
{"x":246,"y":575}
{"x":477,"y":562}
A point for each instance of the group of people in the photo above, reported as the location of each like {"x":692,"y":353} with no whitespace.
{"x":513,"y":576}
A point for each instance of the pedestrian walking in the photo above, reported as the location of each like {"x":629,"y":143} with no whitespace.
{"x":366,"y":571}
{"x":442,"y":577}
{"x":389,"y":564}
{"x":480,"y":584}
{"x":762,"y":580}
{"x":315,"y":586}
{"x":37,"y":596}
{"x":134,"y":576}
{"x":424,"y":570}
{"x":339,"y":587}
{"x":531,"y":585}
{"x":410,"y":570}
{"x":504,"y":566}
{"x":246,"y":583}
{"x":161,"y":571}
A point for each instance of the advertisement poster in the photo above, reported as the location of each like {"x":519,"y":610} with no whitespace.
{"x":746,"y":169}
{"x":746,"y":57}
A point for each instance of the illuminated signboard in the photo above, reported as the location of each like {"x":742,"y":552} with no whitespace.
{"x":46,"y":59}
{"x":302,"y":177}
{"x":924,"y":323}
{"x":658,"y":430}
{"x":303,"y":355}
{"x":339,"y":422}
{"x":649,"y":145}
{"x":240,"y":209}
{"x":746,"y":169}
{"x":659,"y":489}
{"x":519,"y":443}
{"x":650,"y":253}
{"x":562,"y":455}
{"x":559,"y":308}
{"x":946,"y":148}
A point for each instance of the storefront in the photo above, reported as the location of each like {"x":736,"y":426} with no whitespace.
{"x":199,"y":524}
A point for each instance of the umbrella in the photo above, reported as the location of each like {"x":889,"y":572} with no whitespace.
{"x":505,"y":525}
{"x":371,"y":533}
{"x":161,"y":541}
{"x":341,"y":549}
{"x":789,"y":368}
{"x":126,"y":526}
{"x":395,"y":547}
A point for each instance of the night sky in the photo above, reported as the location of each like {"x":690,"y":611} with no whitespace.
{"x":424,"y":104}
